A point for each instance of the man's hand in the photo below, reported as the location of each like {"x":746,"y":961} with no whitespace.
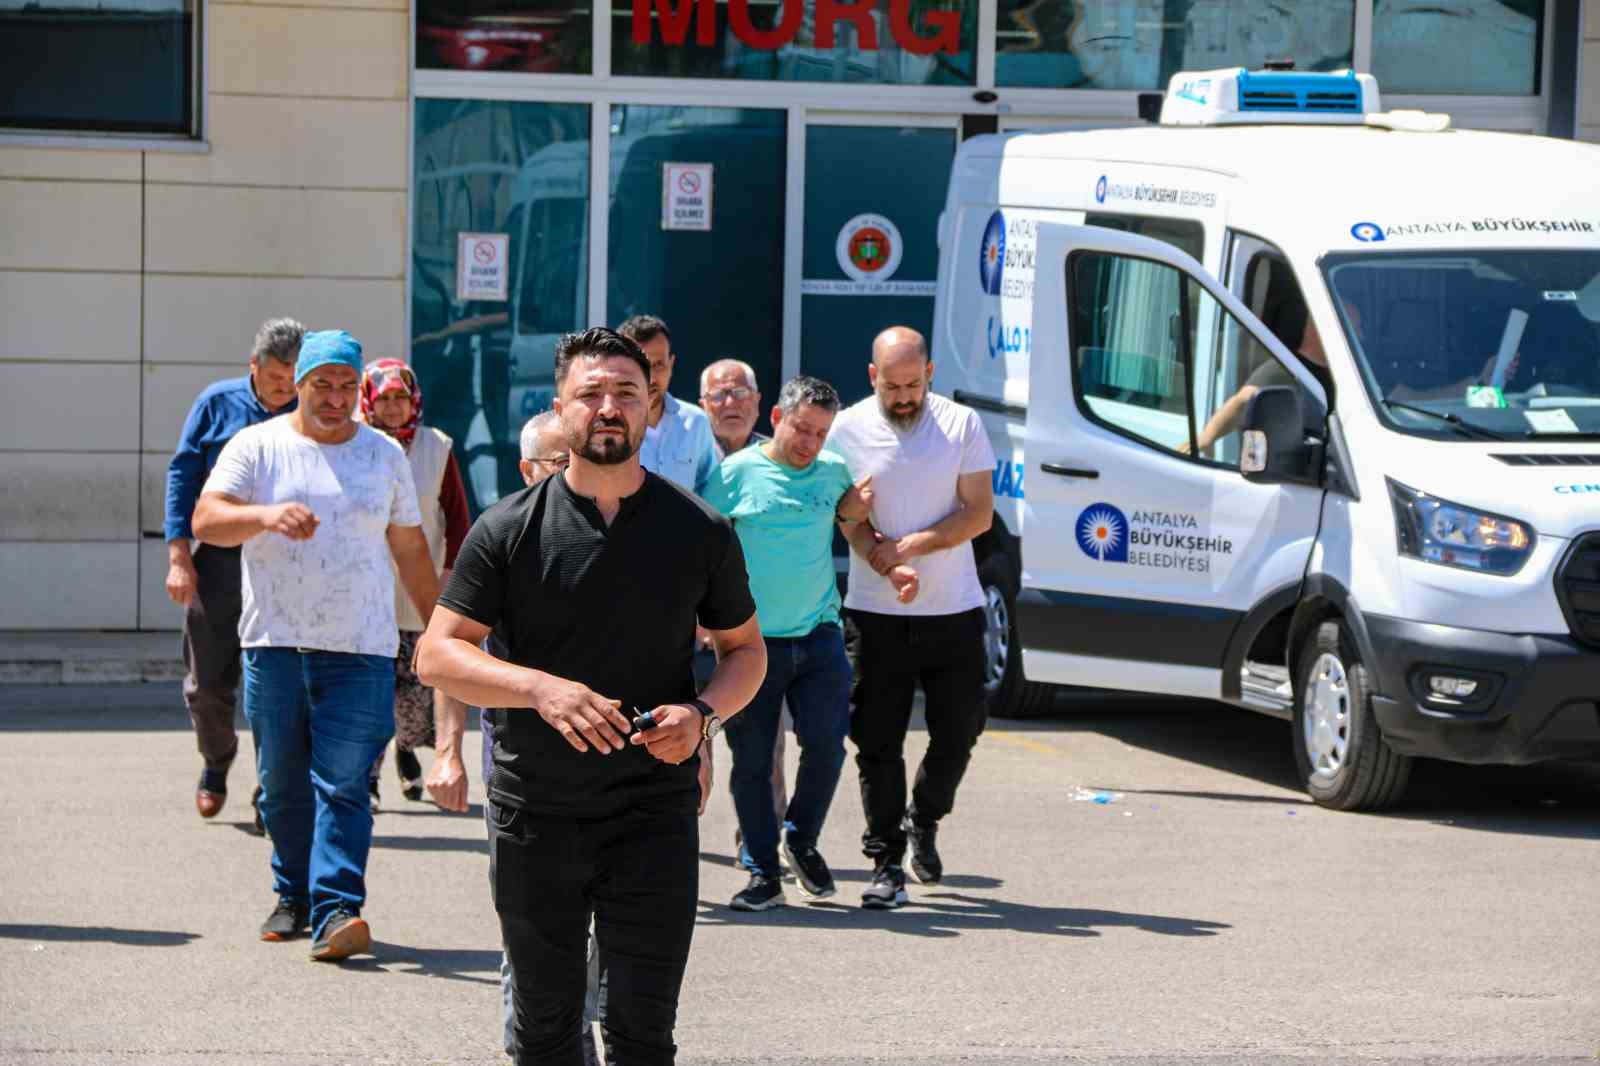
{"x":292,"y":520}
{"x":856,"y":504}
{"x":447,"y":782}
{"x":906,"y":583}
{"x":584,"y":717}
{"x":182,"y":582}
{"x":706,"y":776}
{"x":676,"y":735}
{"x":892,"y":553}
{"x":702,"y":639}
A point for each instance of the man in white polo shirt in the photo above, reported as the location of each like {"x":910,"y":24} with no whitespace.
{"x":931,"y":465}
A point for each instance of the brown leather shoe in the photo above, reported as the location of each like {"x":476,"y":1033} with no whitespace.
{"x":208,"y":803}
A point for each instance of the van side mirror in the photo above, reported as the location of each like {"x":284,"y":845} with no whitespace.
{"x":1277,"y":446}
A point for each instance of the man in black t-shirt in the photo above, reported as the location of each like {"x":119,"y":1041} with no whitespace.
{"x":588,"y":816}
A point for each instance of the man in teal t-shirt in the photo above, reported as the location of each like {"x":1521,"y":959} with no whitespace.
{"x":784,"y":497}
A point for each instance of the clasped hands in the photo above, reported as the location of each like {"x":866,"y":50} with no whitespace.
{"x":588,"y":720}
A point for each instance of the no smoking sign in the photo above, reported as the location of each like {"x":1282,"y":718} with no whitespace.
{"x":686,"y":190}
{"x":481,"y":266}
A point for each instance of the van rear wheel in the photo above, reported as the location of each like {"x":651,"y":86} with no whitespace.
{"x":1344,"y":761}
{"x":1007,"y":692}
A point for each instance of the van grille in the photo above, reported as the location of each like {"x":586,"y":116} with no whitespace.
{"x":1578,"y":588}
{"x":1550,"y":460}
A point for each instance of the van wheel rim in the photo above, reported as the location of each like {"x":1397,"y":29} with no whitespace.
{"x":1326,"y":720}
{"x":996,"y":636}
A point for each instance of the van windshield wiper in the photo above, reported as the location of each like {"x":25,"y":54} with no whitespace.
{"x":1470,"y":429}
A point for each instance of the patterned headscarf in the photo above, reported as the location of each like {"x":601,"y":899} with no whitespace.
{"x":388,"y":375}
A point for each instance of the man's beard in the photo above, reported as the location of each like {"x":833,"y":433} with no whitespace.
{"x":608,"y":451}
{"x":902,"y":417}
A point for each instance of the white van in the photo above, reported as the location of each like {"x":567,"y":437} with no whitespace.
{"x":1399,"y":551}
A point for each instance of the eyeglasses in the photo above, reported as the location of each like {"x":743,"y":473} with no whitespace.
{"x":560,"y":462}
{"x":737,"y":394}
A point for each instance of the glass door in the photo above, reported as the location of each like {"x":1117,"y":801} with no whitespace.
{"x":870,"y":254}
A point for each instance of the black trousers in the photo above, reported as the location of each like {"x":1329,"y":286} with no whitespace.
{"x":638,"y":875}
{"x":211,"y":654}
{"x":891,"y":656}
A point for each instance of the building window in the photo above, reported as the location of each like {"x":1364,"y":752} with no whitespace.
{"x":1139,"y":44}
{"x":132,"y":67}
{"x":1476,"y":47}
{"x":884,"y":42}
{"x":524,"y":36}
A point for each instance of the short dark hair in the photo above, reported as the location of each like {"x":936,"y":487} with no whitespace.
{"x":642,"y":329}
{"x":802,"y":391}
{"x":597,"y":342}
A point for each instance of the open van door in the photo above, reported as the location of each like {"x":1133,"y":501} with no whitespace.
{"x":1145,"y":550}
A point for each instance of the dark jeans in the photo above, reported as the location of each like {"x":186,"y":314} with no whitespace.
{"x":813,"y":673}
{"x":319,"y":719}
{"x":211,"y":654}
{"x":637,"y":875}
{"x":891,"y":655}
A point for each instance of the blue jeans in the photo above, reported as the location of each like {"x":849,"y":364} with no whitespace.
{"x":319,"y":718}
{"x":813,"y":674}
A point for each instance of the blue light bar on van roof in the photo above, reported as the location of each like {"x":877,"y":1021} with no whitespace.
{"x":1309,"y":93}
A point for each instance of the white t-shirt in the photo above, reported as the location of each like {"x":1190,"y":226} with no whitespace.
{"x":914,"y":476}
{"x":334,"y":592}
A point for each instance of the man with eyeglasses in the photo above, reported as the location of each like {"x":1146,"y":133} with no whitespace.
{"x":731,"y":400}
{"x":319,"y":503}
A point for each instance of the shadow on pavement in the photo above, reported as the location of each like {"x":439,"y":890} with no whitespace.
{"x":1546,"y":799}
{"x":426,"y":809}
{"x":480,"y":844}
{"x":947,"y":914}
{"x":864,"y":876}
{"x":452,"y":964}
{"x":97,"y":934}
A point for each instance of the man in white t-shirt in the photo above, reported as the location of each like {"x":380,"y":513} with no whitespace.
{"x":319,"y":502}
{"x":931,"y":466}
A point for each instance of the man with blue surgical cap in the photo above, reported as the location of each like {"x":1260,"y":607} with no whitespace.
{"x":319,"y":502}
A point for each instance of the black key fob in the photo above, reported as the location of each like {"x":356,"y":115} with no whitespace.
{"x":644,"y":721}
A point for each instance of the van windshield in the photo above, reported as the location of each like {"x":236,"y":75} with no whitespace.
{"x":1476,"y":345}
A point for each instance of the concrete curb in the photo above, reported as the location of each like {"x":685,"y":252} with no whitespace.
{"x":89,"y":658}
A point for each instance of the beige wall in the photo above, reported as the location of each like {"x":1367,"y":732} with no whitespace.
{"x":131,"y":279}
{"x":1589,"y":74}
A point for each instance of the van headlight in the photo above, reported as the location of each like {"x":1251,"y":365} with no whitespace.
{"x":1438,"y":531}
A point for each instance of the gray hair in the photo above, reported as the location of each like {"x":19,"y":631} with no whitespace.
{"x":278,"y":338}
{"x":745,"y":368}
{"x":531,"y":430}
{"x":802,"y":391}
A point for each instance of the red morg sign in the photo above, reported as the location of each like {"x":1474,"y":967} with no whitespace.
{"x":675,"y":15}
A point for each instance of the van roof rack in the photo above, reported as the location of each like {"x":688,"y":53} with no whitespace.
{"x":1280,"y":95}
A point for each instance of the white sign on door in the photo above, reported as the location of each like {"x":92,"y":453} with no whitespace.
{"x":686,"y":196}
{"x":481,"y":266}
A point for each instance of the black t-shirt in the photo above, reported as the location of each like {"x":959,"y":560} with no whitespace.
{"x":1273,"y":372}
{"x":613,"y":608}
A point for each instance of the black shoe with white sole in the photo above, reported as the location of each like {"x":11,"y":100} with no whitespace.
{"x":925,"y":862}
{"x":761,"y":894}
{"x":811,"y":870}
{"x":888,"y":889}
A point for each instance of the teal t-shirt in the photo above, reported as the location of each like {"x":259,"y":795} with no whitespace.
{"x":784,"y":518}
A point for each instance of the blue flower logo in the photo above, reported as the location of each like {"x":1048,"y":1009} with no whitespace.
{"x":1100,"y":190}
{"x":1367,"y":232}
{"x":1103,"y":533}
{"x":992,"y":255}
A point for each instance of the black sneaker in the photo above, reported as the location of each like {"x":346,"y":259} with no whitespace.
{"x":410,"y":771}
{"x":287,"y":921}
{"x":343,"y":935}
{"x":260,"y":825}
{"x":816,"y":880}
{"x":761,"y":894}
{"x":925,"y":862}
{"x":888,"y":889}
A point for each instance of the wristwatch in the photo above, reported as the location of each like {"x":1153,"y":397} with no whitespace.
{"x":713,"y":721}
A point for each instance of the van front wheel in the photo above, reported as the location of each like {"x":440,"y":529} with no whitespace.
{"x":1344,"y":761}
{"x":1006,"y":691}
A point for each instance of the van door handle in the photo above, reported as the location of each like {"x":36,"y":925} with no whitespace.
{"x":1069,"y":471}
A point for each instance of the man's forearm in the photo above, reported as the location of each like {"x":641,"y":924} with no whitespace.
{"x":449,"y":725}
{"x":860,"y":536}
{"x":421,"y":583}
{"x":179,"y":553}
{"x":736,"y":680}
{"x":953,"y":530}
{"x":473,"y":676}
{"x":227,"y":525}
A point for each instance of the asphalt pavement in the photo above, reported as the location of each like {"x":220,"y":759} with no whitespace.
{"x":1130,"y":881}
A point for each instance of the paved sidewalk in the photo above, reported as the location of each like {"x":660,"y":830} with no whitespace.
{"x":67,"y":657}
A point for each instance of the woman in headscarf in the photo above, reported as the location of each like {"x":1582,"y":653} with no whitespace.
{"x":391,"y":401}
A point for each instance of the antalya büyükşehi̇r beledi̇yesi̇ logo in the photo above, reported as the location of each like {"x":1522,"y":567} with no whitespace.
{"x":1103,"y":533}
{"x":1367,"y":232}
{"x":992,"y":254}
